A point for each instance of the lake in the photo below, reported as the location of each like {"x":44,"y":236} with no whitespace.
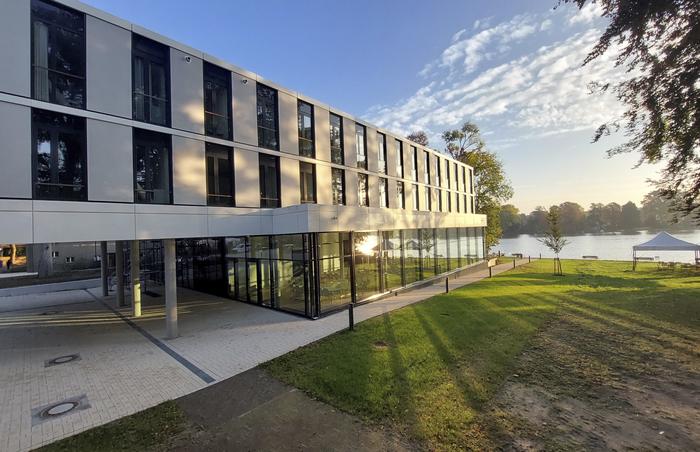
{"x":616,"y":246}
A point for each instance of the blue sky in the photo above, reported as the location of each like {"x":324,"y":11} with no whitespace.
{"x":511,"y":67}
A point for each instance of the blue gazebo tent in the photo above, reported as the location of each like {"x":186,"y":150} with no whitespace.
{"x":665,"y":242}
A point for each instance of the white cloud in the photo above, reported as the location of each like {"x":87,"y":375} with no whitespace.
{"x":539,"y":93}
{"x":587,"y":14}
{"x":546,"y":24}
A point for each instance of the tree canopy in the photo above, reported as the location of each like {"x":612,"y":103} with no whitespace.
{"x":419,"y":137}
{"x":659,"y":46}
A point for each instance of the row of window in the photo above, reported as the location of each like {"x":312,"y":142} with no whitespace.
{"x":59,"y":76}
{"x":60,"y":170}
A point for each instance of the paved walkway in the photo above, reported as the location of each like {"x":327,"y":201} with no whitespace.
{"x":124,"y":365}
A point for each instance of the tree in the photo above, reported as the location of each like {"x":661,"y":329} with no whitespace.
{"x":612,"y":217}
{"x":595,"y":218}
{"x":419,"y":137}
{"x":492,"y":187}
{"x":659,"y":44}
{"x":631,"y":219}
{"x":553,"y":238}
{"x":537,"y":221}
{"x":656,"y":213}
{"x":511,"y":220}
{"x":572,"y":218}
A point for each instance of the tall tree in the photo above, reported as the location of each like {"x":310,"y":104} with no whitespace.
{"x":659,"y":43}
{"x":631,"y":218}
{"x":537,"y":221}
{"x":572,"y":218}
{"x":419,"y":137}
{"x":612,"y":217}
{"x":595,"y":218}
{"x":492,"y":187}
{"x":511,"y":221}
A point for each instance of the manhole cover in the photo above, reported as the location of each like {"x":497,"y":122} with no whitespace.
{"x":62,"y":360}
{"x":57,"y":410}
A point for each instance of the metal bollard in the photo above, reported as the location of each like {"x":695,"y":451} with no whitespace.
{"x":351,"y":316}
{"x":490,"y":275}
{"x":447,"y":285}
{"x":513,"y":263}
{"x":528,"y":259}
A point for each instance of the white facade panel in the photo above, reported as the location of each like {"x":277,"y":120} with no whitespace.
{"x":324,"y":193}
{"x":15,"y":151}
{"x":189,"y":172}
{"x":108,"y":68}
{"x":349,"y":142}
{"x":15,"y":50}
{"x":351,"y":198}
{"x":372,"y":149}
{"x":110,"y":162}
{"x":16,"y":221}
{"x":289,"y":182}
{"x":247,"y":178}
{"x":322,"y":137}
{"x":288,"y":130}
{"x":245,"y":118}
{"x":187,"y":92}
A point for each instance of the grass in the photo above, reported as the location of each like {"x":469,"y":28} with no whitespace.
{"x":432,"y":370}
{"x":151,"y":429}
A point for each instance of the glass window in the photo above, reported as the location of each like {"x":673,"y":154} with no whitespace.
{"x":415,"y":197}
{"x":338,"y":185}
{"x":362,"y":190}
{"x":456,"y":173}
{"x":268,"y":120}
{"x":426,"y":166}
{"x":152,"y":167}
{"x":151,"y":81}
{"x":305,"y":124}
{"x":466,"y":205}
{"x":361,"y":146}
{"x":399,"y":158}
{"x":464,"y":246}
{"x":293,"y":287}
{"x":60,"y":170}
{"x":471,"y":181}
{"x":439,"y":200}
{"x":400,"y":200}
{"x":411,"y":250}
{"x":58,"y":54}
{"x":269,"y":180}
{"x":337,"y":153}
{"x":427,"y":248}
{"x":390,"y":264}
{"x":473,"y":206}
{"x":447,"y":174}
{"x":464,"y":179}
{"x":219,"y":175}
{"x":366,"y":264}
{"x":453,"y":248}
{"x":479,"y":243}
{"x":307,"y":181}
{"x":217,"y":102}
{"x":381,"y":140}
{"x":414,"y":164}
{"x":428,"y":199}
{"x":441,"y":250}
{"x":335,"y":260}
{"x":383,"y":193}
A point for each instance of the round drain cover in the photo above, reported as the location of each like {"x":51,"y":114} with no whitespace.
{"x":59,"y":409}
{"x":63,"y":359}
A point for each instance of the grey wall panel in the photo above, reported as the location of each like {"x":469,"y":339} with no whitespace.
{"x":187,"y":92}
{"x":324,"y":193}
{"x":189,"y":172}
{"x":289,"y":182}
{"x":15,"y":151}
{"x":391,"y":156}
{"x":322,"y":132}
{"x":351,"y":188}
{"x":288,"y":130}
{"x":391,"y":189}
{"x":372,"y":149}
{"x":407,"y":160}
{"x":16,"y":220}
{"x":349,"y":142}
{"x":15,"y":50}
{"x":108,"y":68}
{"x":373,"y":191}
{"x":245,"y":119}
{"x":247,"y":176}
{"x":110,"y":162}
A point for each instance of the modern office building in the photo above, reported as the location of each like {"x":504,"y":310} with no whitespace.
{"x":209,"y":176}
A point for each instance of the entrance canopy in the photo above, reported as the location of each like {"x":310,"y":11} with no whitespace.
{"x":665,"y":242}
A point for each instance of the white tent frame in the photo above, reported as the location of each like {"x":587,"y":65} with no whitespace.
{"x":665,"y":242}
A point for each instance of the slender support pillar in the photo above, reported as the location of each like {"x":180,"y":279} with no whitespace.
{"x":104,"y":268}
{"x":119,"y":263}
{"x":170,"y":289}
{"x":135,"y":278}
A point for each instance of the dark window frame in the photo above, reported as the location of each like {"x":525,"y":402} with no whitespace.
{"x":169,"y":142}
{"x":54,"y":25}
{"x":259,"y":87}
{"x":363,"y":164}
{"x":301,"y":183}
{"x":382,"y":164}
{"x":363,"y":201}
{"x":426,"y":170}
{"x":220,"y":77}
{"x":383,"y":181}
{"x":312,"y":140}
{"x":54,"y":131}
{"x":335,"y":150}
{"x":152,"y":52}
{"x":401,"y":190}
{"x":414,"y":164}
{"x":212,"y":148}
{"x":342,"y":185}
{"x":399,"y":159}
{"x":266,"y":201}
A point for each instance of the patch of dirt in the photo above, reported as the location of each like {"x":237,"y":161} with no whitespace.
{"x":587,"y":384}
{"x":380,"y":345}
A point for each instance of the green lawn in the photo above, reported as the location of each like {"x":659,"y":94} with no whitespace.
{"x":430,"y":369}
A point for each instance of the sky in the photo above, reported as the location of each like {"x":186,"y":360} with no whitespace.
{"x":513,"y":68}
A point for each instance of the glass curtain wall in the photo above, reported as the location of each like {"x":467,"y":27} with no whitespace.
{"x":392,"y":260}
{"x":411,"y":249}
{"x":441,"y":250}
{"x":453,"y":248}
{"x":334,"y":262}
{"x":427,"y":248}
{"x":366,"y":264}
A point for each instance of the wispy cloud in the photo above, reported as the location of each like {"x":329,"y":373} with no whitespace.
{"x":537,"y":93}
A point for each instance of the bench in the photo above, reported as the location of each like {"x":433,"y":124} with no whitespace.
{"x":517,"y":255}
{"x":589,"y":257}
